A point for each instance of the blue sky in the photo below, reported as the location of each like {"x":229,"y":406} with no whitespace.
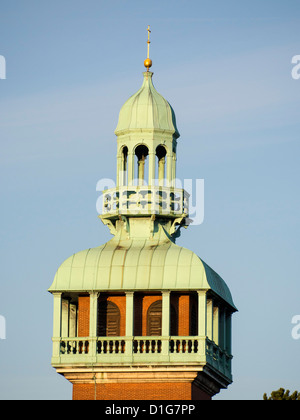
{"x":225,"y":66}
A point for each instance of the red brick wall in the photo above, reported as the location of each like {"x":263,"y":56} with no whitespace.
{"x":138,"y":391}
{"x":181,"y":303}
{"x":83,"y":316}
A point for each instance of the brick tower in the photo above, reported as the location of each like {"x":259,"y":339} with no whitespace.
{"x":141,"y":318}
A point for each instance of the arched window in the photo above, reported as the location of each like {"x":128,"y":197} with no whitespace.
{"x":108,"y":319}
{"x":141,"y":153}
{"x":161,"y":168}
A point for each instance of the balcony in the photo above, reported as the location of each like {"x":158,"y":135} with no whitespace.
{"x":141,"y":350}
{"x":144,"y":200}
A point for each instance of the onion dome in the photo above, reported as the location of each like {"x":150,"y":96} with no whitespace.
{"x":147,"y":110}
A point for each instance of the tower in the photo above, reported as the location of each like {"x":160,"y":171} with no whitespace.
{"x":141,"y":317}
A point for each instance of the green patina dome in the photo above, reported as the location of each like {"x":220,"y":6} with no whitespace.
{"x":124,"y":264}
{"x":147,"y":110}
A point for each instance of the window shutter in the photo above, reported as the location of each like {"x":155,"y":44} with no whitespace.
{"x":154,"y":318}
{"x":108,"y":319}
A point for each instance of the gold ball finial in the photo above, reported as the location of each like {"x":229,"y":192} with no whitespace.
{"x":148,"y":63}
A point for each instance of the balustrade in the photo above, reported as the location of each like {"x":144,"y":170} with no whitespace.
{"x":145,"y":200}
{"x":141,"y":345}
{"x":142,"y":349}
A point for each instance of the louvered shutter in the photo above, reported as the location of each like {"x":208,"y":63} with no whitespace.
{"x":108,"y":319}
{"x":154,"y":318}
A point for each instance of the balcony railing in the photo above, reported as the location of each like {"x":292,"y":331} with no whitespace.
{"x":107,"y":350}
{"x":144,"y":200}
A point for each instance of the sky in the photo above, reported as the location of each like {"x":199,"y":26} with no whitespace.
{"x":226,"y":68}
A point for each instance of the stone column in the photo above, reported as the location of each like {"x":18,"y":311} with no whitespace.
{"x":202,"y":317}
{"x":173,"y":171}
{"x":202,"y":313}
{"x":151,"y":169}
{"x":93,"y":323}
{"x":93,"y":313}
{"x":216,"y":325}
{"x":65,"y":317}
{"x":161,"y":171}
{"x":119,"y":172}
{"x":209,"y":328}
{"x":56,"y":324}
{"x":169,"y":169}
{"x":165,"y":327}
{"x":228,"y":332}
{"x":130,"y":168}
{"x":129,"y":323}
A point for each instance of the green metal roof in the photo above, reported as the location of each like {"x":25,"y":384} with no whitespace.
{"x":139,"y":265}
{"x":147,"y":110}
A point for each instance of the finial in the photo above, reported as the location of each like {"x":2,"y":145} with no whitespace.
{"x":148,"y":62}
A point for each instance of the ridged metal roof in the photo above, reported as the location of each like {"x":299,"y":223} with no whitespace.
{"x":147,"y":110}
{"x":138,"y":265}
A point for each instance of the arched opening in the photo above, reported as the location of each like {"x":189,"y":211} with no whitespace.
{"x":141,"y":153}
{"x":154,"y":319}
{"x":161,"y":166}
{"x":124,"y":166}
{"x":108,"y":319}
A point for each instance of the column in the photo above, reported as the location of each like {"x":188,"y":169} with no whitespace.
{"x":161,"y":171}
{"x":173,"y":170}
{"x":209,"y":327}
{"x":93,"y":323}
{"x":202,"y":316}
{"x":141,"y":171}
{"x":151,"y":169}
{"x":130,"y":168}
{"x":129,"y":323}
{"x":93,"y":313}
{"x":202,"y":313}
{"x":169,"y":169}
{"x":65,"y":317}
{"x":228,"y":332}
{"x":222,"y":328}
{"x":165,"y":324}
{"x":119,"y":172}
{"x":216,"y":325}
{"x":56,"y":324}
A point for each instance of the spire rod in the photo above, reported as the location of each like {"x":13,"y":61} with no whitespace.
{"x":148,"y":62}
{"x":148,"y":42}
